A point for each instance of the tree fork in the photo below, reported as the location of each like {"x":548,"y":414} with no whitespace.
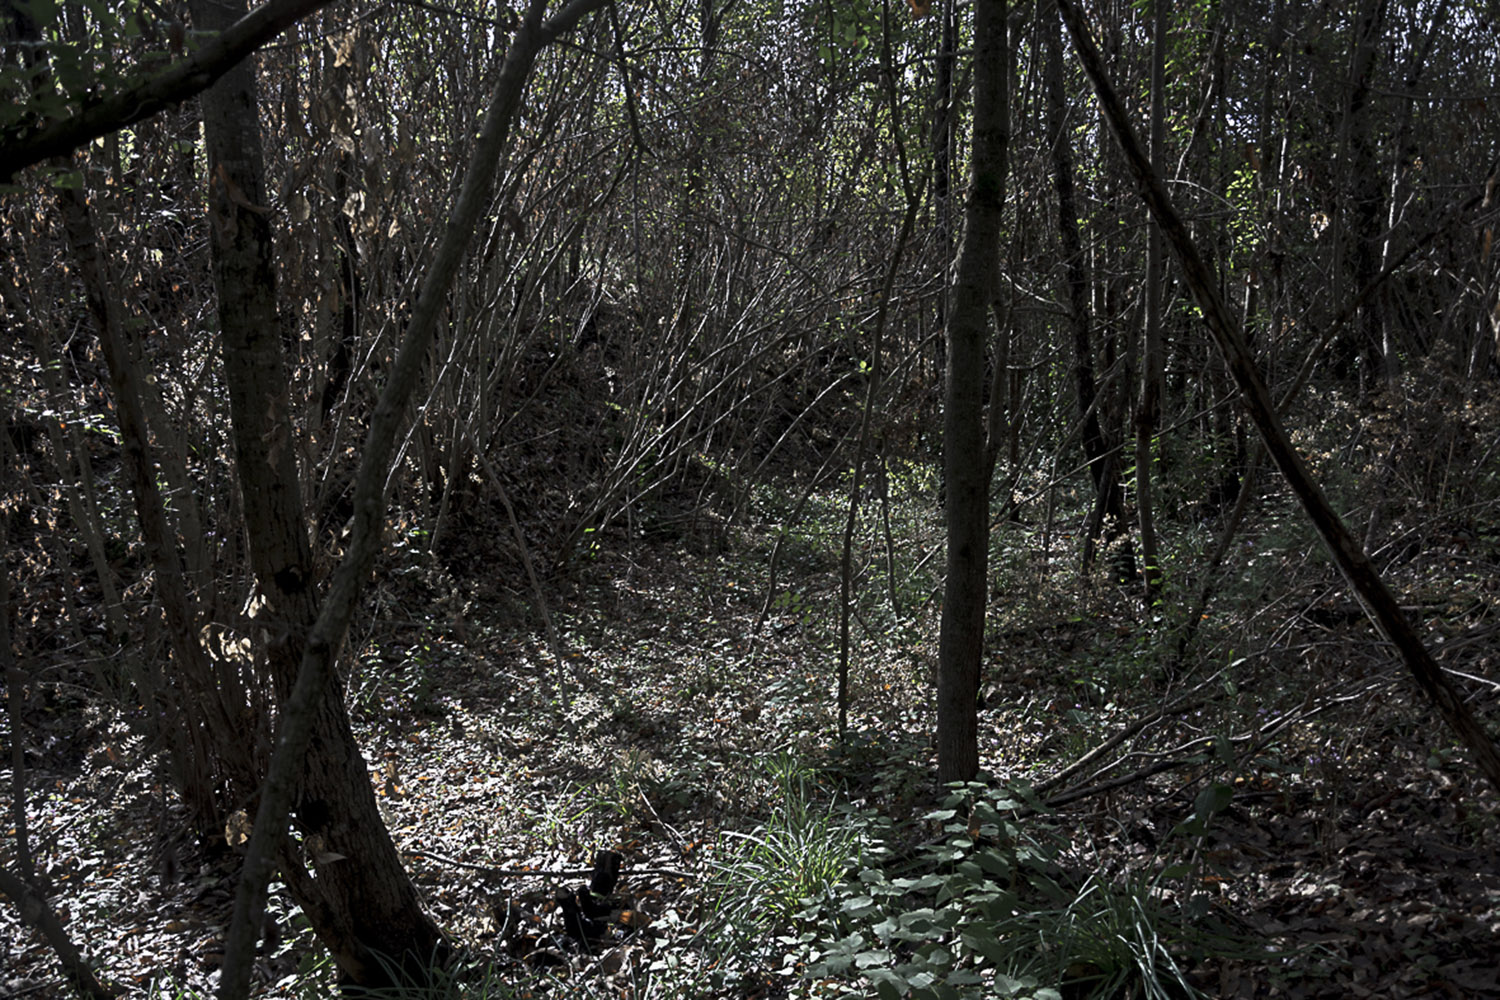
{"x":338,"y":606}
{"x":24,"y":146}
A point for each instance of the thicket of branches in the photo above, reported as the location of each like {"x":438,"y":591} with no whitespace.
{"x":718,"y":258}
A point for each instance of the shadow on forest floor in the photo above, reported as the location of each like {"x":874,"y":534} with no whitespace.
{"x":1354,"y":858}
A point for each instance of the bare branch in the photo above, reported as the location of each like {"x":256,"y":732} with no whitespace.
{"x":29,"y":145}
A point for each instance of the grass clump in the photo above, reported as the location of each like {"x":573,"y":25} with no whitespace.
{"x":770,"y":882}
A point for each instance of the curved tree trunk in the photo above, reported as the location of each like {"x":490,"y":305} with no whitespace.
{"x":316,"y":770}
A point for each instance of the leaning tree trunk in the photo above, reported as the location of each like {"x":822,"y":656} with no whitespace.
{"x":966,"y":470}
{"x":361,"y":903}
{"x":36,"y":911}
{"x":197,"y":717}
{"x":1380,"y":604}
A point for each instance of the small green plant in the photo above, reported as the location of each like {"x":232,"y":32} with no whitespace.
{"x":768,"y":875}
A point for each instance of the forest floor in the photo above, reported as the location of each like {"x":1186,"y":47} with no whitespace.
{"x":1356,"y":856}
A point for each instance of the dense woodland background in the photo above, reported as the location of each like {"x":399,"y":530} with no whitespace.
{"x":571,"y":393}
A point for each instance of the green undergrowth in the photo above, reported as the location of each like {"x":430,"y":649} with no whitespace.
{"x":821,"y":899}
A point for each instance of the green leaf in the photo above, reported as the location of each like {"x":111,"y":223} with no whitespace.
{"x":994,"y":863}
{"x":889,"y":985}
{"x":986,"y":945}
{"x":1009,"y":986}
{"x":1213,"y":799}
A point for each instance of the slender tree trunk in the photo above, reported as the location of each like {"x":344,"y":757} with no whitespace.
{"x":861,"y":448}
{"x":874,"y":384}
{"x":199,"y":704}
{"x":1361,"y":213}
{"x":1148,"y":413}
{"x":1268,"y":173}
{"x":942,"y":165}
{"x":1402,"y":161}
{"x":1103,"y":459}
{"x":1000,"y":416}
{"x":339,"y":365}
{"x":966,"y":472}
{"x":361,"y":903}
{"x":190,"y":712}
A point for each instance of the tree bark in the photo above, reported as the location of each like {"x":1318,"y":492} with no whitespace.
{"x":965,"y":468}
{"x":200,"y":717}
{"x":1103,"y":458}
{"x":1380,"y":604}
{"x":941,"y":144}
{"x":1148,"y":412}
{"x":1363,"y":182}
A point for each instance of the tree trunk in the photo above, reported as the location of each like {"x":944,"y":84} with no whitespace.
{"x":1148,"y":413}
{"x":941,"y":143}
{"x":965,"y":469}
{"x":1361,"y":220}
{"x":1103,"y":458}
{"x":199,"y":704}
{"x":362,"y":905}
